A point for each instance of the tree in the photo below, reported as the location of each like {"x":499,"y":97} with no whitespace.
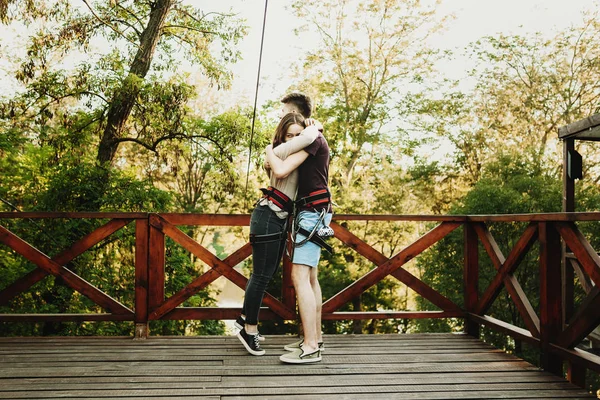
{"x":367,"y":50}
{"x":146,"y":42}
{"x":525,"y":87}
{"x":508,"y":186}
{"x":70,"y":123}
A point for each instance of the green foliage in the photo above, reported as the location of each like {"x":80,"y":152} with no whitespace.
{"x":508,"y":186}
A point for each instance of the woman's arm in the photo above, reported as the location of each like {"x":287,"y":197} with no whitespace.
{"x":282,"y":168}
{"x":306,"y":137}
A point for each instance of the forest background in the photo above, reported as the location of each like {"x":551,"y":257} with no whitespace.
{"x":123,"y":105}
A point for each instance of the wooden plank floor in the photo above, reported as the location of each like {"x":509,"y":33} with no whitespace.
{"x":416,"y":366}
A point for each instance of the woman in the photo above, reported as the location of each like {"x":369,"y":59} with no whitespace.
{"x":268,"y":224}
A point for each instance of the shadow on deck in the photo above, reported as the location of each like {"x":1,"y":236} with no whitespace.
{"x":415,"y":366}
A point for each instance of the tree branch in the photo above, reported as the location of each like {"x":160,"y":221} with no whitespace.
{"x":152,"y":147}
{"x":109,"y":25}
{"x":188,"y":27}
{"x":132,"y":14}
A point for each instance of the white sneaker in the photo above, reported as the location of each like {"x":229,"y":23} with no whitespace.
{"x":298,"y":356}
{"x":298,"y":345}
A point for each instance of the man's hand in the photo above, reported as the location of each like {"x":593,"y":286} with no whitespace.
{"x":311,"y":121}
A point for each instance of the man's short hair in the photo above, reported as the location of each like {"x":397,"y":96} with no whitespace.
{"x":301,"y":101}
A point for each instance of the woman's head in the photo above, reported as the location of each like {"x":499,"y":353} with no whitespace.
{"x":290,"y":125}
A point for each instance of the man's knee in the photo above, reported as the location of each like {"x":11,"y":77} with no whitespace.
{"x":314,"y":280}
{"x":300,"y":273}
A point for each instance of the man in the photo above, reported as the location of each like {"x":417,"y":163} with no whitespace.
{"x":296,"y":103}
{"x":314,"y":213}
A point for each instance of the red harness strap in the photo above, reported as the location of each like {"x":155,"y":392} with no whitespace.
{"x":314,"y":198}
{"x":278,"y":198}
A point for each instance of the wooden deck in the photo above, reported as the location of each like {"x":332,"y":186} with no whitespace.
{"x":416,"y":366}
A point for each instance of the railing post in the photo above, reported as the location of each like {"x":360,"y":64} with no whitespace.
{"x":471,"y":277}
{"x":551,"y":314}
{"x":156,"y":265}
{"x":141,"y":278}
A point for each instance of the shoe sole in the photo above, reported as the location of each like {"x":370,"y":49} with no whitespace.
{"x":300,"y":360}
{"x":253,"y":352}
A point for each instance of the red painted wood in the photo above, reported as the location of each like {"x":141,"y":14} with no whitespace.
{"x":207,"y":219}
{"x":581,"y":248}
{"x":550,"y":297}
{"x":63,"y":258}
{"x":579,"y":357}
{"x":362,"y":315}
{"x":404,"y":276}
{"x":512,"y":262}
{"x":200,"y":283}
{"x":471,"y":277}
{"x":73,"y":215}
{"x":546,"y":217}
{"x":383,"y":270}
{"x":504,"y":327}
{"x":583,"y":322}
{"x":354,"y":242}
{"x":72,"y":280}
{"x":426,"y":291}
{"x":212,"y":261}
{"x":214,"y":313}
{"x":65,"y":317}
{"x":142,"y":238}
{"x":513,"y":287}
{"x":156,"y":268}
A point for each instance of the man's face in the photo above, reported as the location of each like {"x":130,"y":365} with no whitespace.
{"x":286,"y":109}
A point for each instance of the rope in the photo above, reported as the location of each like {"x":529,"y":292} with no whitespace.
{"x":262,"y":41}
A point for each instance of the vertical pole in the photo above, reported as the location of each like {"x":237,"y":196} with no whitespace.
{"x":141,"y":278}
{"x":568,"y":205}
{"x":156,"y":268}
{"x":575,"y":373}
{"x":471,"y":277}
{"x":568,"y":183}
{"x":551,"y":313}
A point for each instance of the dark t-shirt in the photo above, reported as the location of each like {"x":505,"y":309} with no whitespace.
{"x":313,"y":173}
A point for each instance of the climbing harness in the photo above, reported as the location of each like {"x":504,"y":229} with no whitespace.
{"x":271,"y":237}
{"x":314,"y":198}
{"x":278,"y":198}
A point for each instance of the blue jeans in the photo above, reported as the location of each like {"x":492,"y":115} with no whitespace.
{"x":266,"y":257}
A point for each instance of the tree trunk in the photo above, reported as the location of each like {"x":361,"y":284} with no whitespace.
{"x":124,"y":98}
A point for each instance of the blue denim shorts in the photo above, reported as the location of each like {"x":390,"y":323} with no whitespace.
{"x":309,"y":253}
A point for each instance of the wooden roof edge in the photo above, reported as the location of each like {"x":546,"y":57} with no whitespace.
{"x":583,"y":126}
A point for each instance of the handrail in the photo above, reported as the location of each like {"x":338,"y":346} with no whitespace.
{"x":557,"y":339}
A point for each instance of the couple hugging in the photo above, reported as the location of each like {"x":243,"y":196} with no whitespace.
{"x":297,"y":162}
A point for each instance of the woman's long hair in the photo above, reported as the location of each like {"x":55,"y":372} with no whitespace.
{"x":287,"y":121}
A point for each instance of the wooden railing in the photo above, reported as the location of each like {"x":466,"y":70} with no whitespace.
{"x":557,"y":333}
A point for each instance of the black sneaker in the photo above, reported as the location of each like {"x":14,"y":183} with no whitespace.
{"x":240,"y":323}
{"x":250,"y":342}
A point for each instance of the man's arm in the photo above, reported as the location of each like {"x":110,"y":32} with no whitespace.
{"x":282,"y":168}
